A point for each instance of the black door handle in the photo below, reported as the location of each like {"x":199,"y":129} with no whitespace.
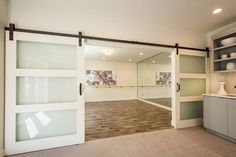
{"x":178,"y":87}
{"x":80,"y":88}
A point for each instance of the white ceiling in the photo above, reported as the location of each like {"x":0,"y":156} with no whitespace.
{"x":193,"y":15}
{"x":121,"y":52}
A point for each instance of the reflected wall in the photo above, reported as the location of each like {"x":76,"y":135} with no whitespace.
{"x":154,"y":79}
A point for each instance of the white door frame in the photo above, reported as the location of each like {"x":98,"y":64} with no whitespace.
{"x":176,"y":98}
{"x":13,"y":147}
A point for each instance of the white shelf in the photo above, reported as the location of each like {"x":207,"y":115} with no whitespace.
{"x":224,"y":47}
{"x":226,"y":59}
{"x":226,"y":71}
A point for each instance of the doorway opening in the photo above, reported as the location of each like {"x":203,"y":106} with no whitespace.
{"x":127,"y":89}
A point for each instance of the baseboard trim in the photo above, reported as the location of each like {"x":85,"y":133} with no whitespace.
{"x":2,"y":153}
{"x":189,"y":123}
{"x":155,"y":104}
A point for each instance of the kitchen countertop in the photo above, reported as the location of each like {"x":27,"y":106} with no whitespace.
{"x":230,"y":96}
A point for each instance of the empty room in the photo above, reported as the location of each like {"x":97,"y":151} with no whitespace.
{"x":81,"y":78}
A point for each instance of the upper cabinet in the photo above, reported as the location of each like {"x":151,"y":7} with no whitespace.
{"x":225,"y":53}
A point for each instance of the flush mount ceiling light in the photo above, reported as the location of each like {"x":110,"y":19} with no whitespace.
{"x":217,"y":11}
{"x":130,"y":60}
{"x":153,"y":61}
{"x":140,"y":53}
{"x":108,"y":52}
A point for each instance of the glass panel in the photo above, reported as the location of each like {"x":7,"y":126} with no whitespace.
{"x":154,"y":79}
{"x":36,"y":55}
{"x":34,"y":90}
{"x":191,"y":110}
{"x":192,"y":87}
{"x":143,"y":81}
{"x":192,"y":64}
{"x":35,"y":125}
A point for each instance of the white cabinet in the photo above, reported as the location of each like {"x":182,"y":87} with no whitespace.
{"x":215,"y":114}
{"x":232,"y":118}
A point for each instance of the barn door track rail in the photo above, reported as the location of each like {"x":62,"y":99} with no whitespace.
{"x":80,"y":36}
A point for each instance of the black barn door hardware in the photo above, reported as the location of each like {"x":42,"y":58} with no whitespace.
{"x":80,"y":89}
{"x":11,"y":31}
{"x":177,"y":48}
{"x":80,"y":36}
{"x":178,"y":87}
{"x":208,"y":52}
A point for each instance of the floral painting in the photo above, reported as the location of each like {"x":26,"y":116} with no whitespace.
{"x":100,"y":77}
{"x":163,"y":78}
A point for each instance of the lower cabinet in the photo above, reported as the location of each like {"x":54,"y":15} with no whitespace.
{"x":219,"y":115}
{"x":232,"y":118}
{"x":215,"y":114}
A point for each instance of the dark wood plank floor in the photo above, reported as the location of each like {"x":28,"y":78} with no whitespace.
{"x":116,"y":118}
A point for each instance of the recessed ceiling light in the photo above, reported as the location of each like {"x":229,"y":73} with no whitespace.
{"x":108,"y":52}
{"x":130,"y":60}
{"x":103,"y":58}
{"x":140,"y":53}
{"x":216,"y":11}
{"x":153,"y":61}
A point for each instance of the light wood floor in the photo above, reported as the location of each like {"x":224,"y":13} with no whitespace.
{"x":116,"y":118}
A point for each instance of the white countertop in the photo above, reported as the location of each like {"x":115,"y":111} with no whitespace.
{"x":230,"y":96}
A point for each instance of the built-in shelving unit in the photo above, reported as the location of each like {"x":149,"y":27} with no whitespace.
{"x":220,"y":65}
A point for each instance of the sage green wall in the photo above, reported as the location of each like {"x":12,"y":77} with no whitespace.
{"x":3,"y":22}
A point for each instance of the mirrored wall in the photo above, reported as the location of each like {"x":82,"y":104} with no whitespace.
{"x":154,"y":79}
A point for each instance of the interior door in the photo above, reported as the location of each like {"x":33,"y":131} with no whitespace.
{"x":44,"y":103}
{"x":190,"y":82}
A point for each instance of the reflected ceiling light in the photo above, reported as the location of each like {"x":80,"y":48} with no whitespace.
{"x":130,"y":60}
{"x":103,"y":58}
{"x":140,"y":53}
{"x":153,"y":61}
{"x":108,"y":52}
{"x":216,"y":11}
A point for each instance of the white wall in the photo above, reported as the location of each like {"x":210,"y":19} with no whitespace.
{"x":229,"y":78}
{"x":71,"y":16}
{"x":126,"y":76}
{"x":3,"y":22}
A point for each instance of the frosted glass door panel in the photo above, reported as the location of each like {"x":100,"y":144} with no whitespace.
{"x":42,"y":90}
{"x":36,"y":55}
{"x":192,"y":64}
{"x":42,"y":124}
{"x":192,"y":87}
{"x":191,"y":110}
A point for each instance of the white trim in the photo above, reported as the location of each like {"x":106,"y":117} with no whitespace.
{"x":193,"y":75}
{"x":46,"y":73}
{"x":190,"y":123}
{"x":191,"y":98}
{"x":192,"y":53}
{"x":45,"y":107}
{"x":155,"y":104}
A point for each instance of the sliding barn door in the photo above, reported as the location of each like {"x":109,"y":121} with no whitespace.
{"x":190,"y":82}
{"x":44,"y":99}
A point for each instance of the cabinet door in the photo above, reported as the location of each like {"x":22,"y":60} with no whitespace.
{"x":232,"y":118}
{"x":215,"y":114}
